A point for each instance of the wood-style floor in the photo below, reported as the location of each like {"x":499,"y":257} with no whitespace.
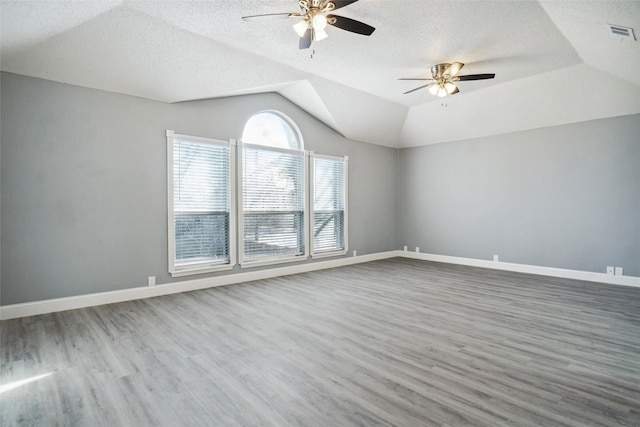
{"x":394,"y":343}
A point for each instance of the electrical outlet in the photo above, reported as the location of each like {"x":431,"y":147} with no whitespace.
{"x":417,"y":249}
{"x":151,"y":280}
{"x":610,"y":271}
{"x":618,"y":271}
{"x":355,"y":253}
{"x":406,"y":249}
{"x":496,"y":258}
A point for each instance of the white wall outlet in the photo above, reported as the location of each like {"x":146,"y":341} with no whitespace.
{"x":618,"y":271}
{"x":610,"y":270}
{"x":406,"y":249}
{"x":417,"y":249}
{"x":355,"y":253}
{"x":151,"y":280}
{"x":496,"y":258}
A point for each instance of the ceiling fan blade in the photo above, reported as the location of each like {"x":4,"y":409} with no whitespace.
{"x":349,"y":24}
{"x":475,"y":77}
{"x":409,"y":78}
{"x":420,"y":87}
{"x":342,"y":3}
{"x":454,"y":68}
{"x":306,"y":39}
{"x":269,"y":17}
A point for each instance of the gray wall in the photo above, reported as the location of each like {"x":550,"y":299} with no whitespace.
{"x":566,"y":197}
{"x":83,"y":186}
{"x":83,"y":189}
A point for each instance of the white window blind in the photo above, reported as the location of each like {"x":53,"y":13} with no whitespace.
{"x":329,"y":219}
{"x":273,"y":204}
{"x":200,"y":201}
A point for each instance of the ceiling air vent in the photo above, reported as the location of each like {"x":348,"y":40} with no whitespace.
{"x":621,"y":33}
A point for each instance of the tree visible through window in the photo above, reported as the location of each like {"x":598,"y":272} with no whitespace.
{"x":273,"y":190}
{"x":329,"y":202}
{"x":290,"y":203}
{"x":199,"y":204}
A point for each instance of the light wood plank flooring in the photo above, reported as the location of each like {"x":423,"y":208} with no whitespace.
{"x":392,"y":343}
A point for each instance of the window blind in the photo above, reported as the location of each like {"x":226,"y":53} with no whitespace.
{"x":201,"y":203}
{"x":329,"y":200}
{"x":273,"y":203}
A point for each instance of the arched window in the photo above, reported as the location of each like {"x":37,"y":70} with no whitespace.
{"x":272,"y":129}
{"x":291,"y":204}
{"x":273,"y":191}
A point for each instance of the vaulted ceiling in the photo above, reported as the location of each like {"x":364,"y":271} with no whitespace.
{"x":555,"y":61}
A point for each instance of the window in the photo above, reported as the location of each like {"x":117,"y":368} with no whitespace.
{"x":271,"y":129}
{"x":329,"y":220}
{"x":200,"y":214}
{"x":278,"y":186}
{"x":273,"y":198}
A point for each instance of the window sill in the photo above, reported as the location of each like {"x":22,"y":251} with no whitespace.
{"x":329,"y":254}
{"x":272,"y":261}
{"x":199,"y":270}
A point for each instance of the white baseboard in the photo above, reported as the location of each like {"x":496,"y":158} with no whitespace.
{"x":525,"y":268}
{"x":81,"y":301}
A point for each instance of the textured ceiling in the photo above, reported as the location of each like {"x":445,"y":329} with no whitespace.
{"x":554,"y":61}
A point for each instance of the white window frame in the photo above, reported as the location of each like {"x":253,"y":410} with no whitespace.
{"x":177,"y":271}
{"x":247,"y":263}
{"x":284,"y":118}
{"x":311,"y":200}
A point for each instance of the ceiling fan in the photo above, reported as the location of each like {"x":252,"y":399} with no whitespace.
{"x":444,"y":78}
{"x":315,"y":16}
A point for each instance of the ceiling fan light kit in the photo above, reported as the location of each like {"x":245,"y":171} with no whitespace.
{"x":301,"y":27}
{"x":444,"y":78}
{"x":314,"y":19}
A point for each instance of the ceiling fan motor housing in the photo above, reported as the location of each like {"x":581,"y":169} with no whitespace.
{"x":439,"y":69}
